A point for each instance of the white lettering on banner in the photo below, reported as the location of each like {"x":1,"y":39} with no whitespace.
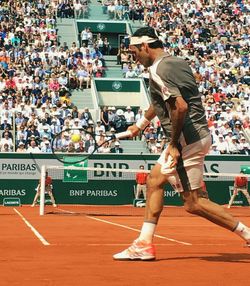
{"x":171,"y":193}
{"x":93,"y":193}
{"x":12,"y":192}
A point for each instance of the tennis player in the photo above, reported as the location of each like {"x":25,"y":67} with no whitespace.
{"x":177,"y":103}
{"x":240,"y":185}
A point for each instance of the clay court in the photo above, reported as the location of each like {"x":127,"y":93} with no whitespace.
{"x":67,"y":248}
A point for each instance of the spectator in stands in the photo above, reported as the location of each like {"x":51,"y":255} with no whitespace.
{"x":214,"y":150}
{"x":33,"y":148}
{"x":45,"y":145}
{"x":80,"y":148}
{"x":83,"y":76}
{"x":104,"y":148}
{"x":130,"y":73}
{"x":222,"y":145}
{"x":106,"y":47}
{"x":105,"y":117}
{"x":21,"y":148}
{"x":5,"y":124}
{"x":86,"y":115}
{"x":156,"y":149}
{"x":89,"y":145}
{"x":99,"y":127}
{"x":233,"y":146}
{"x":6,"y":140}
{"x":245,"y":149}
{"x":150,"y":133}
{"x":117,"y":149}
{"x":119,"y":121}
{"x":6,"y":148}
{"x":129,"y":116}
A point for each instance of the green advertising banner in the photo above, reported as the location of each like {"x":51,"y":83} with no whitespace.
{"x":73,"y":175}
{"x":117,"y":85}
{"x":102,"y":26}
{"x":19,"y":177}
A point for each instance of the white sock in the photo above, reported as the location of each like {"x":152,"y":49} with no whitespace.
{"x":147,"y":231}
{"x":243,"y":231}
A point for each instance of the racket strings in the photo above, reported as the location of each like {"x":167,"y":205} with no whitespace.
{"x":89,"y":142}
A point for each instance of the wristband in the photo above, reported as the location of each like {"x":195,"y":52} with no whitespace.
{"x":142,"y":123}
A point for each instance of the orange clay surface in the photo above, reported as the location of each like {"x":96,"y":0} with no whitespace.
{"x":190,"y":251}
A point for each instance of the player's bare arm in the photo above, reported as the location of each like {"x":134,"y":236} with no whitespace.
{"x":178,"y":110}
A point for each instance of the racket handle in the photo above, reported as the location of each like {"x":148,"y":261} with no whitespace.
{"x":124,"y":134}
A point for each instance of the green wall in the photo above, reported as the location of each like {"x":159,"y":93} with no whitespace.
{"x":19,"y":174}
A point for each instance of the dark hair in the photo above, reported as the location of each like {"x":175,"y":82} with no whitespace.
{"x":150,"y":32}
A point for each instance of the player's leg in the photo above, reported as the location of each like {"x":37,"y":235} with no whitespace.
{"x":155,"y":191}
{"x":142,"y":248}
{"x":235,"y":192}
{"x":189,"y":175}
{"x":195,"y":203}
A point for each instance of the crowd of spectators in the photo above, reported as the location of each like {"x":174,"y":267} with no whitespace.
{"x":38,"y":74}
{"x":213,"y":36}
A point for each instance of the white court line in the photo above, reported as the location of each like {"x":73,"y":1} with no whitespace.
{"x":137,"y":230}
{"x":59,"y":209}
{"x":156,"y":244}
{"x":134,"y":229}
{"x":37,"y":234}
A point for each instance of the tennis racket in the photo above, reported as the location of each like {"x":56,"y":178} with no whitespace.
{"x":75,"y":145}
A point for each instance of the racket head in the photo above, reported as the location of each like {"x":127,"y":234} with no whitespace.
{"x":69,"y":151}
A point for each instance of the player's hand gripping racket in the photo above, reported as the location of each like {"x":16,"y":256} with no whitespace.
{"x":75,"y":145}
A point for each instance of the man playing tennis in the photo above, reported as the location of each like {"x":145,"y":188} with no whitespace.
{"x":177,"y":103}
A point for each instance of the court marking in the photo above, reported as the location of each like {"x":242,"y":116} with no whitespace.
{"x":156,"y":244}
{"x":130,"y":228}
{"x":137,"y":230}
{"x":37,"y":234}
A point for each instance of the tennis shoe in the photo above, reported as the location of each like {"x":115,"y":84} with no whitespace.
{"x":139,"y":250}
{"x":54,"y":205}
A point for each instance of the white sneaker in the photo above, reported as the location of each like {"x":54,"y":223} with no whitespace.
{"x":139,"y":250}
{"x":32,"y":205}
{"x":54,"y":205}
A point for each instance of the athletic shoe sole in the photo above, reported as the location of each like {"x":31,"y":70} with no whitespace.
{"x":135,"y":259}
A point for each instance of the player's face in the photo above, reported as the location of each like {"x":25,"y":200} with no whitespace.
{"x":140,"y":54}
